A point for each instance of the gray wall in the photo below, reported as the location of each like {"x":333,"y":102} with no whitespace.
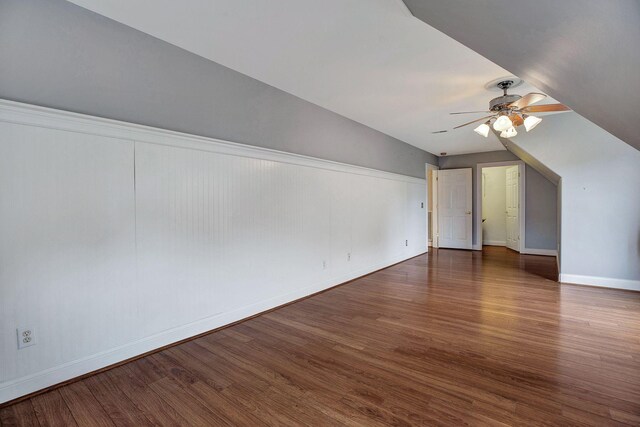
{"x":59,"y":55}
{"x":541,"y":211}
{"x":540,"y":198}
{"x":600,"y":202}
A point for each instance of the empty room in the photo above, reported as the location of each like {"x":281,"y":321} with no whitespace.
{"x":319,"y":213}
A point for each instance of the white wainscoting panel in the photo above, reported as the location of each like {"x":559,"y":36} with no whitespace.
{"x":67,"y":247}
{"x":118,"y":239}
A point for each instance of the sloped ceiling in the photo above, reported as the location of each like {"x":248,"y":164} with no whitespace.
{"x":368,"y":60}
{"x":586,"y":54}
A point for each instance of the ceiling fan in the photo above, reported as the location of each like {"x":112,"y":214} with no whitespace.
{"x":510,"y":111}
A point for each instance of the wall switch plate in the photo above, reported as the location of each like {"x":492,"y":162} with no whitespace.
{"x":26,"y":337}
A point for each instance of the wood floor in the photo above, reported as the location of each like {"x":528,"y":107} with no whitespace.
{"x":453,"y":338}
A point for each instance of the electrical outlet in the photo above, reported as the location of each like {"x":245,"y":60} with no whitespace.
{"x":26,"y":337}
{"x":406,"y":243}
{"x":324,"y":265}
{"x":349,"y":256}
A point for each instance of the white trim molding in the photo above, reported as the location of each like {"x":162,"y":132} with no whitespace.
{"x":494,"y":243}
{"x":604,"y":282}
{"x":545,"y":252}
{"x":33,"y":115}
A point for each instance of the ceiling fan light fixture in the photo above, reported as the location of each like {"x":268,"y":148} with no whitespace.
{"x":502,"y":123}
{"x":530,"y":122}
{"x":483,"y":129}
{"x":509,"y":133}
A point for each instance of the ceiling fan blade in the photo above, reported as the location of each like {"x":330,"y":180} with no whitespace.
{"x":547,"y":108}
{"x":516,"y":119}
{"x":474,"y":121}
{"x":470,"y":112}
{"x":528,"y":99}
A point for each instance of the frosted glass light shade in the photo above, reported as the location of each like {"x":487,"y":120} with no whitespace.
{"x":483,"y":130}
{"x":502,"y":123}
{"x":530,"y":122}
{"x":509,"y":133}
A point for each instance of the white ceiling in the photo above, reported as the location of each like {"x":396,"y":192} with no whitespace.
{"x":368,"y":60}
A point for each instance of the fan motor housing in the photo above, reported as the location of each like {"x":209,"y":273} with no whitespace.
{"x":501,"y":102}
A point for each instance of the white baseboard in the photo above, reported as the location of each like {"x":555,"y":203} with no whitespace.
{"x":605,"y":282}
{"x":545,"y":252}
{"x":494,"y":243}
{"x":29,"y":384}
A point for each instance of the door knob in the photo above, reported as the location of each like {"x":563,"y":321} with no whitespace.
{"x":468,"y":212}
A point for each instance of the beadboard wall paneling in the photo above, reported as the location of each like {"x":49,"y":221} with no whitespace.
{"x":124,"y":238}
{"x":67,"y":247}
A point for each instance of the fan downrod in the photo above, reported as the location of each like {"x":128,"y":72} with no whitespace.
{"x":501,"y":103}
{"x":505,"y":85}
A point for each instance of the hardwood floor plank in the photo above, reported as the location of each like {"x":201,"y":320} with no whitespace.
{"x":186,"y":403}
{"x":257,"y":403}
{"x":129,"y":381}
{"x":52,"y":411}
{"x":115,"y":403}
{"x":448,"y":338}
{"x":20,"y":414}
{"x":84,"y":407}
{"x":197,"y":384}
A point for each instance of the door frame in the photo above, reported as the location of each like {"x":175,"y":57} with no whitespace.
{"x":432,"y":191}
{"x":477,"y":215}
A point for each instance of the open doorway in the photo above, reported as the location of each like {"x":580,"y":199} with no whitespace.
{"x":500,"y":205}
{"x":431,"y":175}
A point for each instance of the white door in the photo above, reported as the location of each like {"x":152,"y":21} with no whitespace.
{"x":513,"y":208}
{"x":454,"y":208}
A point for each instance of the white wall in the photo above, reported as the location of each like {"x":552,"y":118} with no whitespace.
{"x":494,"y":205}
{"x":118,"y":239}
{"x":600,"y":224}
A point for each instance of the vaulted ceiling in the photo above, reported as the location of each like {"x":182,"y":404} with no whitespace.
{"x":586,"y":54}
{"x":369,"y":60}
